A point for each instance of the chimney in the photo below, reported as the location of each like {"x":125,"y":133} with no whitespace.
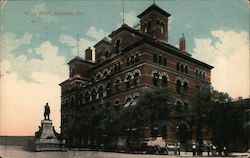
{"x":182,"y":43}
{"x":88,"y":54}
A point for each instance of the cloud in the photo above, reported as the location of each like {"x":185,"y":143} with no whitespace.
{"x":130,"y":18}
{"x":27,"y":83}
{"x":96,"y":34}
{"x":229,"y":54}
{"x":2,"y":4}
{"x":83,"y":45}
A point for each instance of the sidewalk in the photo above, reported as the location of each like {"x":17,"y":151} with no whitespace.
{"x":204,"y":154}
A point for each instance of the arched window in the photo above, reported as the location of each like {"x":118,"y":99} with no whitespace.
{"x":107,"y":53}
{"x":145,"y":27}
{"x":108,"y":88}
{"x":72,"y":71}
{"x":178,"y":87}
{"x":117,"y":84}
{"x":203,"y":75}
{"x":178,"y":106}
{"x":86,"y":97}
{"x":98,"y":76}
{"x":136,"y":79}
{"x":72,"y":102}
{"x":128,"y":81}
{"x":105,"y":73}
{"x":185,"y":87}
{"x":93,"y":94}
{"x":80,"y":99}
{"x":200,"y":75}
{"x":164,"y":81}
{"x":156,"y":79}
{"x":182,"y":68}
{"x":100,"y":91}
{"x":162,"y":27}
{"x":117,"y":105}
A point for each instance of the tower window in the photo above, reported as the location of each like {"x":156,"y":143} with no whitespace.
{"x":182,"y":68}
{"x":186,"y":69}
{"x":100,"y":91}
{"x":196,"y":73}
{"x":108,"y":88}
{"x":164,"y":61}
{"x":160,"y":60}
{"x":155,"y":58}
{"x":117,"y":105}
{"x":117,"y":46}
{"x":162,"y":27}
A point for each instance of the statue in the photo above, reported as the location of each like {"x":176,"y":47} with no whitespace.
{"x":46,"y":111}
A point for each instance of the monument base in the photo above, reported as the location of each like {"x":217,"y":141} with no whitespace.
{"x":47,"y":139}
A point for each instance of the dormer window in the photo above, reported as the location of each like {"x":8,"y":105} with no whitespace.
{"x":117,"y":46}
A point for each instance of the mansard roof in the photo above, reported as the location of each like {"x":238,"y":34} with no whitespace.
{"x":166,"y":48}
{"x":155,"y":8}
{"x":79,"y":59}
{"x":128,"y":28}
{"x":104,"y":40}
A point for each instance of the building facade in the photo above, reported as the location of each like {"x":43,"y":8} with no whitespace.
{"x":126,"y":63}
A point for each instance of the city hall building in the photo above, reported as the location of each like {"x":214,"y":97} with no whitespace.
{"x":128,"y":62}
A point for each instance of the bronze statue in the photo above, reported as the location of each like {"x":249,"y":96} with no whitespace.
{"x":46,"y":111}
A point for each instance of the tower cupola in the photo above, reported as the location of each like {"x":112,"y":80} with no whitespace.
{"x":154,"y":21}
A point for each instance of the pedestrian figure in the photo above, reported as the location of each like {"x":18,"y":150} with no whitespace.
{"x":208,"y":149}
{"x":214,"y":150}
{"x":225,"y":151}
{"x":179,"y":148}
{"x":194,"y":149}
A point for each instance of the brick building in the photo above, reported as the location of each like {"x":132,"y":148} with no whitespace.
{"x":126,"y":63}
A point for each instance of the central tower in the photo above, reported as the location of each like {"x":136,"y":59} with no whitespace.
{"x":154,"y":22}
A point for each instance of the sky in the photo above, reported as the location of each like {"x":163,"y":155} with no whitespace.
{"x":39,"y":37}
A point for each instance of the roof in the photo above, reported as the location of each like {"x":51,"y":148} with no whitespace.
{"x":104,"y":40}
{"x":155,"y":8}
{"x":128,"y":28}
{"x":79,"y":59}
{"x":166,"y":48}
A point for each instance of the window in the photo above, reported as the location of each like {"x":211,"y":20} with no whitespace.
{"x":137,"y":57}
{"x":196,"y":73}
{"x":72,"y":72}
{"x":203,"y":75}
{"x":72,"y":102}
{"x":200,"y":74}
{"x":107,"y":53}
{"x":93,"y":94}
{"x":105,"y":74}
{"x":182,"y":68}
{"x":162,"y":27}
{"x":177,"y":66}
{"x":128,"y":85}
{"x":145,"y":27}
{"x":178,"y":106}
{"x":86,"y":97}
{"x":108,"y":88}
{"x":136,"y":79}
{"x":80,"y":99}
{"x":156,"y":78}
{"x":149,"y":26}
{"x":98,"y":77}
{"x":128,"y":61}
{"x":164,"y":81}
{"x":155,"y":58}
{"x":160,"y":60}
{"x":185,"y":86}
{"x":117,"y":46}
{"x":164,"y":61}
{"x":117,"y":105}
{"x":117,"y":85}
{"x":178,"y":87}
{"x":100,"y":91}
{"x":186,"y":69}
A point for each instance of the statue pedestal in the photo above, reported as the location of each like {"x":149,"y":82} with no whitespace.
{"x":46,"y":139}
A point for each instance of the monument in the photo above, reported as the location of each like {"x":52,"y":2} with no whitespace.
{"x":46,"y":138}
